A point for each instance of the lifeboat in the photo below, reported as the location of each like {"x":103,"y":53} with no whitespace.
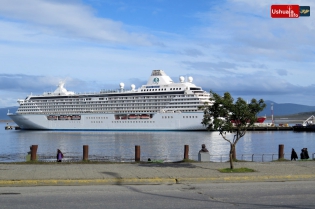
{"x":132,"y":117}
{"x":120,"y":117}
{"x":63,"y":117}
{"x":144,"y":116}
{"x":52,"y":117}
{"x":76,"y":117}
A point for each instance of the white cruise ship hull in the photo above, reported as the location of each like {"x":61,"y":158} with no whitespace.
{"x":161,"y":104}
{"x":107,"y":122}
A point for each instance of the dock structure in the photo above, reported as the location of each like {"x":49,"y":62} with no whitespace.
{"x":8,"y":127}
{"x":270,"y":128}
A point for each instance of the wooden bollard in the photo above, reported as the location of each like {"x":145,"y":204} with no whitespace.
{"x":281,"y":154}
{"x":137,"y":153}
{"x":33,"y":152}
{"x":85,"y":152}
{"x":186,"y":152}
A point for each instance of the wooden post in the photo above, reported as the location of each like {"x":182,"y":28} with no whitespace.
{"x":33,"y":152}
{"x":85,"y":152}
{"x":281,"y":154}
{"x":186,"y":152}
{"x":137,"y":153}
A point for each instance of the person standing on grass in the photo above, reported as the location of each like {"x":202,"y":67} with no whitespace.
{"x":293,"y":155}
{"x":302,"y":154}
{"x":306,"y":153}
{"x":59,"y":155}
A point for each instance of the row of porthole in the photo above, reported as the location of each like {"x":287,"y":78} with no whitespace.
{"x":134,"y":121}
{"x":167,"y":117}
{"x":96,"y":117}
{"x":190,"y":116}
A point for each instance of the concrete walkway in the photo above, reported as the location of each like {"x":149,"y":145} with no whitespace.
{"x":150,"y":173}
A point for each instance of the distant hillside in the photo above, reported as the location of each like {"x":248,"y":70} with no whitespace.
{"x":286,"y":109}
{"x":301,"y":115}
{"x":4,"y":111}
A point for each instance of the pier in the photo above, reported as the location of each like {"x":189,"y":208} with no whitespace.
{"x":272,"y":128}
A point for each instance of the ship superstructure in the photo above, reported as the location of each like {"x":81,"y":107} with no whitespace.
{"x":161,"y":104}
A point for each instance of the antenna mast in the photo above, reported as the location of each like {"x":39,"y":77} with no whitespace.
{"x":272,"y":113}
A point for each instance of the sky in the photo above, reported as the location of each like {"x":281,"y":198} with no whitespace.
{"x":225,"y":45}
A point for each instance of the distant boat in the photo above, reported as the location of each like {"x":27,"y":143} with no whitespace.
{"x":261,"y":119}
{"x":308,"y":125}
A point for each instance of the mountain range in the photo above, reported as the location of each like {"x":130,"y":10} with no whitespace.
{"x":284,"y":109}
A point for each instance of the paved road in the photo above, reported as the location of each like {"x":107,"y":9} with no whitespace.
{"x":150,"y":173}
{"x":291,"y":194}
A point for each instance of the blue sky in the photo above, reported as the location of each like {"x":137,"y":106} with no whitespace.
{"x":231,"y":45}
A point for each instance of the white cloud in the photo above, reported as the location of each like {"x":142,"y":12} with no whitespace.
{"x":235,"y":47}
{"x":67,"y":18}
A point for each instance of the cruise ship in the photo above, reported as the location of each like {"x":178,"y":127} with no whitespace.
{"x":161,"y":104}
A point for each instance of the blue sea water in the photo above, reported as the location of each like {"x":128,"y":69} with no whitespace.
{"x":168,"y":145}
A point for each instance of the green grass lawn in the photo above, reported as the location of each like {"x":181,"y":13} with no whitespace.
{"x":236,"y":170}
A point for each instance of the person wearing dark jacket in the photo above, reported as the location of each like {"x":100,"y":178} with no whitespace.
{"x":293,"y":155}
{"x":306,"y":153}
{"x":302,"y":154}
{"x":59,"y":155}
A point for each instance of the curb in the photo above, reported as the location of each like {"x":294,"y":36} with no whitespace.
{"x":235,"y":179}
{"x":77,"y":182}
{"x":152,"y":181}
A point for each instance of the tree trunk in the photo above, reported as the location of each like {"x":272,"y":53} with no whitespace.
{"x":234,"y":154}
{"x":231,"y":156}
